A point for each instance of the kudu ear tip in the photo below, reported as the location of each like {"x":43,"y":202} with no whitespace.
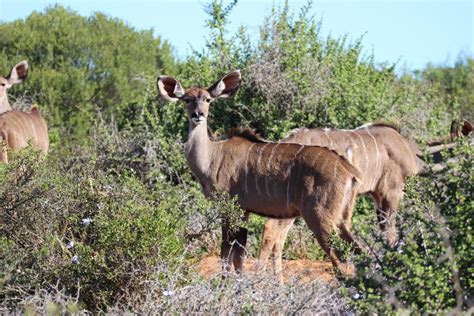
{"x":23,"y":63}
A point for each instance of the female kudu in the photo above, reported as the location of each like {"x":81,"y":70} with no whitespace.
{"x":17,"y":128}
{"x":270,"y":179}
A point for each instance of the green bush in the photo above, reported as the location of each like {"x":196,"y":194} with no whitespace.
{"x":81,"y":64}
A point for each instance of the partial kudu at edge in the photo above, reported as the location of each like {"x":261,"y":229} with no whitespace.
{"x":18,"y":128}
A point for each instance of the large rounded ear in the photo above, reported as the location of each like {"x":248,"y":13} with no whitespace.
{"x":170,"y":88}
{"x":227,"y":86}
{"x":18,"y":73}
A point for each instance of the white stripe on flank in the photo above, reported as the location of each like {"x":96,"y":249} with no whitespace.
{"x":329,"y":138}
{"x":289,"y":177}
{"x":247,"y":168}
{"x":346,"y":197}
{"x":324,"y":163}
{"x":316,"y":158}
{"x":318,"y":141}
{"x":376,"y":147}
{"x":268,"y":168}
{"x":335,"y":167}
{"x":260,"y":152}
{"x":349,"y":155}
{"x":365,"y":151}
{"x":34,"y":130}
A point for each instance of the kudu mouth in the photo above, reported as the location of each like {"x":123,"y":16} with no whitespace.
{"x":198,"y":117}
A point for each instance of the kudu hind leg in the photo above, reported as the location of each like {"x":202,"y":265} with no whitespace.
{"x":321,"y":227}
{"x":346,"y":225}
{"x":233,"y":247}
{"x":389,"y":213}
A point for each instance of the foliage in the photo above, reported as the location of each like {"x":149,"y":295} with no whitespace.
{"x":113,"y":220}
{"x":80,"y":64}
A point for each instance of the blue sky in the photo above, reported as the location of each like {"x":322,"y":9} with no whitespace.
{"x":410,"y":32}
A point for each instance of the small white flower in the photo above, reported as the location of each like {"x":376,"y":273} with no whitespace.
{"x":75,"y":259}
{"x":70,"y":244}
{"x":86,"y":221}
{"x":100,"y":205}
{"x":168,"y":293}
{"x":356,"y":296}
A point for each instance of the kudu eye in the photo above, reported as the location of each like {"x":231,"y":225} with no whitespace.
{"x":208,"y":100}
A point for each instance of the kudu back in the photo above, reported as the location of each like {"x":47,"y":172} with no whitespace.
{"x":385,"y":160}
{"x":18,"y":128}
{"x":278,"y":180}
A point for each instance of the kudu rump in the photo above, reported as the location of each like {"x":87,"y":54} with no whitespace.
{"x":17,"y":128}
{"x":271,"y":179}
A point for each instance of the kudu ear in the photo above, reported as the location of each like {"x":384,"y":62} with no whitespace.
{"x":19,"y":73}
{"x":170,"y":88}
{"x":227,"y":86}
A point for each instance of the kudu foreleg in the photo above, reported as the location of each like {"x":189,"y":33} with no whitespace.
{"x":234,"y":240}
{"x":3,"y":148}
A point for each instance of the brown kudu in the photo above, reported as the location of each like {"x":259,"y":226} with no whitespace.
{"x":17,"y":128}
{"x":270,"y":179}
{"x":385,"y":159}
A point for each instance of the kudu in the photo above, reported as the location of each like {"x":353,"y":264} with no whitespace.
{"x":385,"y":159}
{"x":269,"y":179}
{"x":17,"y":128}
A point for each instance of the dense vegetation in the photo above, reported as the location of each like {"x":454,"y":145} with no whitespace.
{"x":113,"y":220}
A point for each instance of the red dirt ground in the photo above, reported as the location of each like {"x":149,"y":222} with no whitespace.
{"x":305,"y":270}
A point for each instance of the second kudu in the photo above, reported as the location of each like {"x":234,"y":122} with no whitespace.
{"x":18,"y":128}
{"x":270,"y":179}
{"x":385,"y":159}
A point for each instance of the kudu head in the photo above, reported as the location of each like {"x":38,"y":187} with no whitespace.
{"x":17,"y":75}
{"x":198,"y":99}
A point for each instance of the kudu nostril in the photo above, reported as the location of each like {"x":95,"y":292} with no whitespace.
{"x":197,"y":114}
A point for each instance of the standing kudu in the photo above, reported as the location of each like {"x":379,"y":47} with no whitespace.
{"x":384,"y":158}
{"x":270,"y":179}
{"x":17,"y":128}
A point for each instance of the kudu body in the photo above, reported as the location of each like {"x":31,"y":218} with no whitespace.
{"x":276,"y":180}
{"x":384,"y":158}
{"x":18,"y":128}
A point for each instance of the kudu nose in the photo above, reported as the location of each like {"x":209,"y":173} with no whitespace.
{"x":197,"y":114}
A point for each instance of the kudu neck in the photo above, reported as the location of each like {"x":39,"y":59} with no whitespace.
{"x":199,"y":148}
{"x":5,"y":105}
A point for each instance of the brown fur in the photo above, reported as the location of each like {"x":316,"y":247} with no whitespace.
{"x":18,"y":128}
{"x":271,"y":179}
